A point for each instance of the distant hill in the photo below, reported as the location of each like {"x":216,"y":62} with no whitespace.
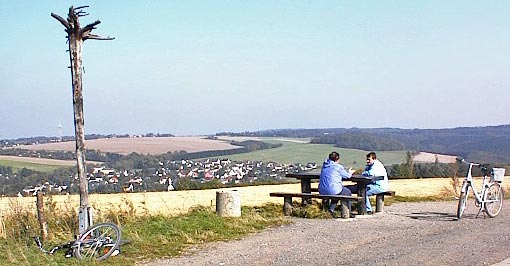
{"x":489,"y":144}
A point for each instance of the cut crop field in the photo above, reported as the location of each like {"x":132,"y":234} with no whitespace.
{"x":175,"y":202}
{"x":152,"y":146}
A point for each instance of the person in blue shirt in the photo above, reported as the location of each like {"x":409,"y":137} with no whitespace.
{"x":330,"y":181}
{"x":374,"y":167}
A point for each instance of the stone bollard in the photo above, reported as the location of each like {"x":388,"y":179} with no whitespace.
{"x":228,"y":203}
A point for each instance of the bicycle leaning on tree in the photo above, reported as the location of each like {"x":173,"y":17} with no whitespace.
{"x":490,"y":198}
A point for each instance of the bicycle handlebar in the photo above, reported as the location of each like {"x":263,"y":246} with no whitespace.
{"x":481,"y":166}
{"x":466,"y":162}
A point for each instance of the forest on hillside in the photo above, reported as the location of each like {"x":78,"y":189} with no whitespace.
{"x":489,"y":144}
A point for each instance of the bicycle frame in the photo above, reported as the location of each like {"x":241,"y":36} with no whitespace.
{"x":468,"y":183}
{"x":67,"y":246}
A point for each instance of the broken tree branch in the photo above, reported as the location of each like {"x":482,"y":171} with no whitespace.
{"x":88,"y":35}
{"x":63,"y":21}
{"x":90,"y":27}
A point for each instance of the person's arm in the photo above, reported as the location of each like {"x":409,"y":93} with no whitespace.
{"x":344,"y":174}
{"x":369,"y":170}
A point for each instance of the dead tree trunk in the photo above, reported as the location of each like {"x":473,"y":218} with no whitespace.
{"x":76,"y":36}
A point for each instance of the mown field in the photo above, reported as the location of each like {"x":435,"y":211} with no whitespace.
{"x":175,"y":202}
{"x":178,"y":202}
{"x":36,"y":164}
{"x":299,"y":152}
{"x":144,"y":145}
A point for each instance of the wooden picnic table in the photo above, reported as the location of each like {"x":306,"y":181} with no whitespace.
{"x":360,"y":180}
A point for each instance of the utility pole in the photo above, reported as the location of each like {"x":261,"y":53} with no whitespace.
{"x":75,"y":37}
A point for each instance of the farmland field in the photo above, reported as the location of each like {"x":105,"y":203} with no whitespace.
{"x":292,"y":151}
{"x":152,"y":146}
{"x":36,"y":164}
{"x":175,"y":202}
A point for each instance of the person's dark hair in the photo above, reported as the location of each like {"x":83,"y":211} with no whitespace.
{"x":371,"y":155}
{"x":334,"y":156}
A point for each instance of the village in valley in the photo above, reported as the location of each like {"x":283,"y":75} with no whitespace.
{"x":168,"y":176}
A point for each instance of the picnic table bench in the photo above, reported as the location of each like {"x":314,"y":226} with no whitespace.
{"x":287,"y":200}
{"x":379,"y":198}
{"x":306,"y":193}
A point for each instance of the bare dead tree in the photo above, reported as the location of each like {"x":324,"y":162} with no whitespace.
{"x":75,"y":37}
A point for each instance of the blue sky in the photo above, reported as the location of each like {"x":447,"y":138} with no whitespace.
{"x":202,"y":67}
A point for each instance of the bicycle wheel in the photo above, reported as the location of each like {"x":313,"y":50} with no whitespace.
{"x":493,"y":199}
{"x":98,"y":241}
{"x":462,"y":201}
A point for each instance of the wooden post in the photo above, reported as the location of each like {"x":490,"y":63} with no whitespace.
{"x":379,"y":202}
{"x":40,"y":216}
{"x":76,"y":36}
{"x":2,"y":225}
{"x":287,"y":205}
{"x":306,"y":187}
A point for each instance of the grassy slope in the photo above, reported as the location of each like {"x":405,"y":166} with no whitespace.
{"x":18,"y":165}
{"x":293,"y":152}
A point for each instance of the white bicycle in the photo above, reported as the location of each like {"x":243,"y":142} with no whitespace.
{"x":489,"y":199}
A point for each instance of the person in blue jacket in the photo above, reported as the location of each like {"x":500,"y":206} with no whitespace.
{"x":374,"y":167}
{"x":330,"y":182}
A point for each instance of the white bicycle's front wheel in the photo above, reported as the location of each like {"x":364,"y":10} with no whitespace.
{"x":462,"y":204}
{"x":463,"y":199}
{"x":493,"y":199}
{"x":98,"y":242}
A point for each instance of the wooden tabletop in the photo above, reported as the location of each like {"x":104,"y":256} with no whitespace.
{"x":355,"y":178}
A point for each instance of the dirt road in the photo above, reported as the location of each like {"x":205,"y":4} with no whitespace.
{"x":406,"y":234}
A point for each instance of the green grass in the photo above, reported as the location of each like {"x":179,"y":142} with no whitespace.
{"x":17,"y":166}
{"x":152,"y":237}
{"x":293,"y":152}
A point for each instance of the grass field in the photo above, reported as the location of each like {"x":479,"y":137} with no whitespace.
{"x":36,"y":164}
{"x":301,"y":152}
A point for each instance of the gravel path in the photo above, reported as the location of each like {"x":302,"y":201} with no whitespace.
{"x":425,"y":233}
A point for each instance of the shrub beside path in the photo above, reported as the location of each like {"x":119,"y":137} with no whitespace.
{"x":425,"y":233}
